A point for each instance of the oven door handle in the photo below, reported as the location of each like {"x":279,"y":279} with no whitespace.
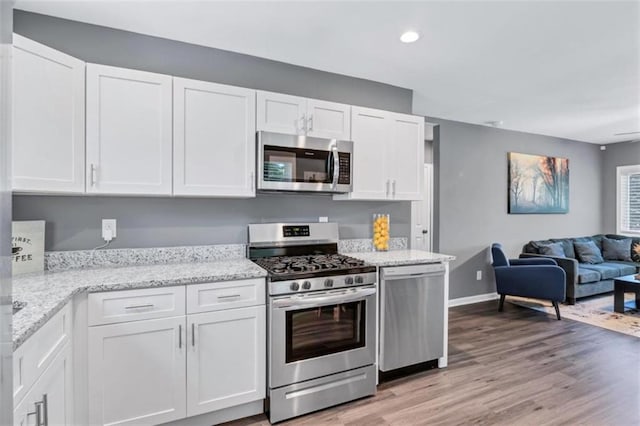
{"x":314,"y":302}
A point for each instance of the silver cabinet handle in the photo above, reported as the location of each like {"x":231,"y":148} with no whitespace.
{"x":41,"y":408}
{"x":387,"y":187}
{"x":149,"y":305}
{"x":253,"y":181}
{"x":45,"y":409}
{"x":94,"y":175}
{"x":303,"y":121}
{"x":179,"y":336}
{"x":310,"y":123}
{"x":37,"y":413}
{"x":230,"y":296}
{"x":193,"y":334}
{"x":393,"y":185}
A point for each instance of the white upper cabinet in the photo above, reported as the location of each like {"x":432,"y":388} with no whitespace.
{"x":406,"y":157}
{"x":48,"y":119}
{"x":129,"y":134}
{"x":388,"y":152}
{"x":214,"y":139}
{"x":371,"y":134}
{"x":328,"y":120}
{"x":280,"y":113}
{"x":301,"y":116}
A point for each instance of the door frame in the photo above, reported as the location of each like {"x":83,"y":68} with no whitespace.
{"x":415,"y":209}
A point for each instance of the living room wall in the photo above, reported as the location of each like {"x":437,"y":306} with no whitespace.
{"x":617,"y":154}
{"x":471,"y":162}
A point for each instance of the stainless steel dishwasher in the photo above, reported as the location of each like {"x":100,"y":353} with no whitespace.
{"x":411,"y":315}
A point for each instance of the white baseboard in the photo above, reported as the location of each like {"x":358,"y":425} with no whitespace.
{"x":473,"y":299}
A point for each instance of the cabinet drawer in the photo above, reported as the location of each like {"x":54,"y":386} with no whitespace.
{"x":33,"y":357}
{"x":134,"y":305}
{"x":225,"y":295}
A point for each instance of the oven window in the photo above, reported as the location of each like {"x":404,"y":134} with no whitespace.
{"x":297,"y":165}
{"x":325,"y":330}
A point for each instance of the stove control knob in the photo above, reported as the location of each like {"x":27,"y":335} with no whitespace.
{"x":328,"y":283}
{"x":306,"y":285}
{"x":359,"y":280}
{"x":295,"y":286}
{"x":348,"y":280}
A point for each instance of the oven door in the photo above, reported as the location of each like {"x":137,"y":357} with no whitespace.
{"x":317,"y":334}
{"x":303,"y":163}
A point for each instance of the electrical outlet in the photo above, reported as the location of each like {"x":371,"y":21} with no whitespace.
{"x":323,"y":219}
{"x":478,"y":275}
{"x":108,"y":229}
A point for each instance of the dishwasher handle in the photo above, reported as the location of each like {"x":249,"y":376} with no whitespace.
{"x":412,"y":271}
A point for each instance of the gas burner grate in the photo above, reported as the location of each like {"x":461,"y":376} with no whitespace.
{"x":283,"y":265}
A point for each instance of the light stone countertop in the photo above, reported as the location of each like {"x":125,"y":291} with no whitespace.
{"x":401,"y":257}
{"x":46,"y":293}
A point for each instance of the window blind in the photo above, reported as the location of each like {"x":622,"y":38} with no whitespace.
{"x":629,"y":199}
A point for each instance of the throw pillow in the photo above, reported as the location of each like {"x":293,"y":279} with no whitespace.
{"x":588,"y":252}
{"x":616,"y":249}
{"x":553,"y":249}
{"x":635,"y":252}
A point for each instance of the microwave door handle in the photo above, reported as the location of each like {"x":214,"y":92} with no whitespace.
{"x":336,"y":164}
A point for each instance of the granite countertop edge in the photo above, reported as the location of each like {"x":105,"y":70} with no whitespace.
{"x":401,"y":257}
{"x":33,"y":316}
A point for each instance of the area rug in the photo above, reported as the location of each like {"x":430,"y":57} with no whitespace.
{"x":595,"y":310}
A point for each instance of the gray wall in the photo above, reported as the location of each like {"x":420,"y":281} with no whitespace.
{"x":74,"y":222}
{"x":109,"y":46}
{"x":618,"y":154}
{"x":472,"y":192}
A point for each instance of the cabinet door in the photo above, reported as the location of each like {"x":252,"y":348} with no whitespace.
{"x":48,"y":119}
{"x":226,"y":361}
{"x":281,"y":113}
{"x":214,"y":139}
{"x":128,"y":131}
{"x":137,"y":372}
{"x":53,"y":391}
{"x":371,"y":133}
{"x":406,"y":157}
{"x":328,"y":120}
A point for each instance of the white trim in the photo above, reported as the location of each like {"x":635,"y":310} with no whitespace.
{"x":417,"y":213}
{"x":473,"y":299}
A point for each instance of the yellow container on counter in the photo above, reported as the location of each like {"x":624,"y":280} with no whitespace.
{"x":381,"y":230}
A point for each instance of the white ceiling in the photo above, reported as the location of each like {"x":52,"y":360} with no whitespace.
{"x":563,"y":68}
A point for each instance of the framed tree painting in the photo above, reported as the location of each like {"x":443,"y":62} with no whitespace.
{"x":538,"y":184}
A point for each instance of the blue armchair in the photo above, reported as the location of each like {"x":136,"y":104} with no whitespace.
{"x":539,"y":278}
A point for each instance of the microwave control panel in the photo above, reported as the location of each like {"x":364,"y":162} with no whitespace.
{"x":344,"y":159}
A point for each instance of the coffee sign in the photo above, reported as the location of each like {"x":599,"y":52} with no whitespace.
{"x":27,"y":246}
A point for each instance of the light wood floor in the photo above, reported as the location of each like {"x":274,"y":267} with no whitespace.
{"x":519,"y":367}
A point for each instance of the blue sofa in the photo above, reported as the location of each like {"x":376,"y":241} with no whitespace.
{"x":585,"y":279}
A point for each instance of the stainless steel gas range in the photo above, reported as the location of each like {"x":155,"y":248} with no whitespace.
{"x":321,"y":318}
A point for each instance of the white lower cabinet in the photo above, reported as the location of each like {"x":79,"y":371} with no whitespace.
{"x":225,"y":359}
{"x":49,"y":401}
{"x":160,"y":370}
{"x":137,"y":372}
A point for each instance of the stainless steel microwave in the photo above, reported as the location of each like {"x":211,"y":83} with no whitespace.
{"x":303,"y":163}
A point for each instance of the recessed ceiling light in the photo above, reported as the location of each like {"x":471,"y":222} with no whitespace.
{"x":409,"y":37}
